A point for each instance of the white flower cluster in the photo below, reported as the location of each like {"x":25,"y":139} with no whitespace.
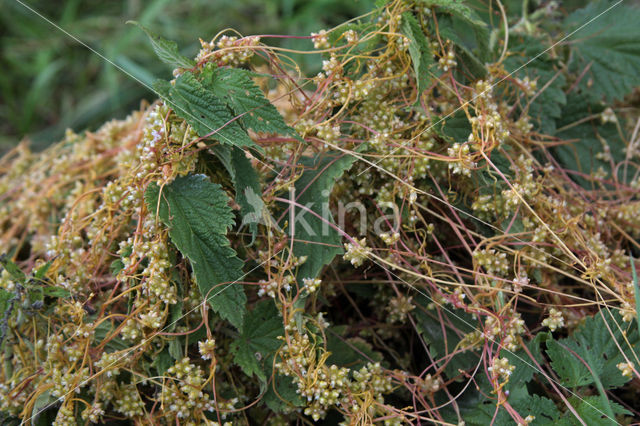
{"x":357,"y":252}
{"x":183,"y":396}
{"x":320,"y":39}
{"x":228,"y":50}
{"x":390,"y":238}
{"x":626,"y":368}
{"x":128,"y":401}
{"x":398,"y":308}
{"x":555,"y":320}
{"x":311,"y":284}
{"x":207,"y":349}
{"x":501,"y":369}
{"x":448,"y":61}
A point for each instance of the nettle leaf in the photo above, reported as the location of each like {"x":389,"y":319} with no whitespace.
{"x":198,"y":216}
{"x":608,"y":48}
{"x":455,"y":126}
{"x":313,"y":236}
{"x":548,"y":104}
{"x":581,"y":124}
{"x":14,"y":270}
{"x":162,"y":361}
{"x":466,"y":29}
{"x":106,"y":330}
{"x":246,"y":99}
{"x":258,"y":340}
{"x":246,"y":182}
{"x":457,"y":8}
{"x":352,"y":352}
{"x":203,"y":110}
{"x":543,"y":409}
{"x":7,"y":300}
{"x":43,"y":410}
{"x":442,"y":330}
{"x":592,"y":411}
{"x":166,"y":50}
{"x":597,"y":347}
{"x":525,"y":367}
{"x":419,"y":49}
{"x":282,"y":394}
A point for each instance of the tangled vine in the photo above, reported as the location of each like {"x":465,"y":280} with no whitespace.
{"x":438,"y":227}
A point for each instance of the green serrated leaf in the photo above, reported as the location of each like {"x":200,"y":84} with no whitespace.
{"x":175,"y":310}
{"x":592,"y":411}
{"x":351,"y":352}
{"x":6,"y":308}
{"x":247,"y":185}
{"x":525,"y":367}
{"x":116,"y":266}
{"x":43,"y":402}
{"x":456,"y":8}
{"x":5,"y":297}
{"x":162,"y":361}
{"x":607,"y":46}
{"x":282,"y":394}
{"x":246,"y":99}
{"x":203,"y":110}
{"x":443,"y":330}
{"x":580,"y":123}
{"x":13,"y":269}
{"x":596,"y":347}
{"x":198,"y":216}
{"x":456,"y":126}
{"x":419,"y":50}
{"x":42,"y":271}
{"x":58,"y":292}
{"x":175,"y":349}
{"x":543,"y":410}
{"x":106,"y":329}
{"x":463,"y":26}
{"x":314,"y":237}
{"x":258,"y":340}
{"x":166,"y":50}
{"x":548,"y":104}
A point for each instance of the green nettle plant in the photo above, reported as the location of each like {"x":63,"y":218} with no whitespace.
{"x":437,"y":228}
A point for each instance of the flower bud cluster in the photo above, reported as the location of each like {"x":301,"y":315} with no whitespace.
{"x":320,"y":40}
{"x":500,"y":369}
{"x":505,"y":330}
{"x":93,"y":413}
{"x":109,"y":363}
{"x":128,"y":402}
{"x":555,"y":320}
{"x":182,"y":395}
{"x":626,"y":368}
{"x":311,"y":284}
{"x":228,"y":50}
{"x":207,"y":349}
{"x":448,"y":61}
{"x":357,"y":252}
{"x":65,"y":416}
{"x":495,"y":263}
{"x":398,"y":308}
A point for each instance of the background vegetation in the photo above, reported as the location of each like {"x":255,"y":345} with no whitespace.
{"x":50,"y":82}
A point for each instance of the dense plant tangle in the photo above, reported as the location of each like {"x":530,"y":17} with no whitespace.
{"x":438,"y":227}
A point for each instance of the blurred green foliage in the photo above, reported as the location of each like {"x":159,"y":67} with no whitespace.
{"x":50,"y":82}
